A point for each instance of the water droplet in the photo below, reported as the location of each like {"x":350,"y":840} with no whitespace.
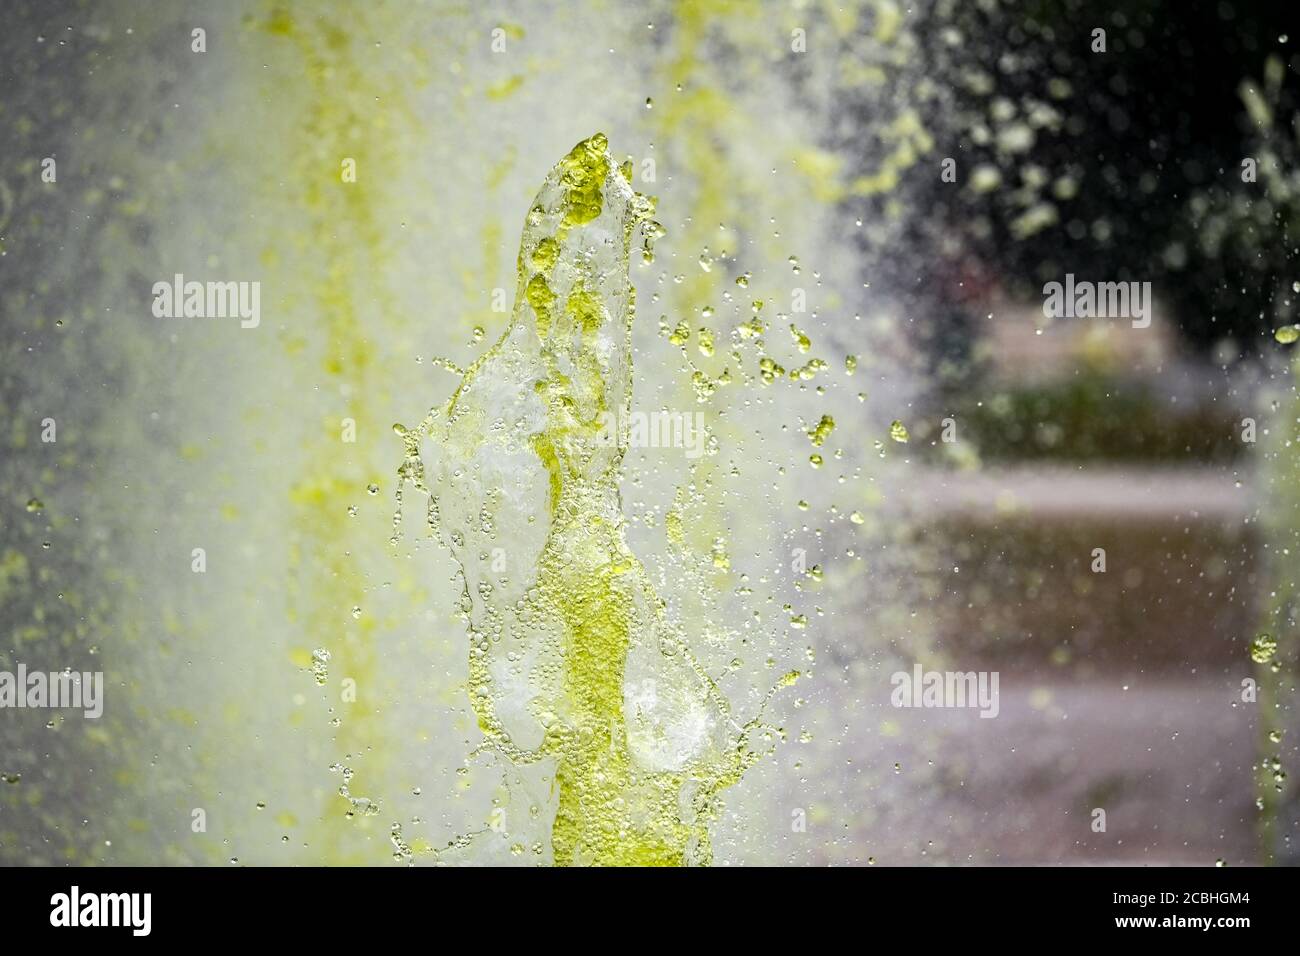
{"x":801,"y":339}
{"x":320,"y":659}
{"x":822,"y":430}
{"x":1263,"y":648}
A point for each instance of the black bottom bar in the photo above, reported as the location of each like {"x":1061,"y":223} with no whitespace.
{"x":336,"y":906}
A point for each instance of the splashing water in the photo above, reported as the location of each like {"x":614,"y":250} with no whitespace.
{"x":572,"y":656}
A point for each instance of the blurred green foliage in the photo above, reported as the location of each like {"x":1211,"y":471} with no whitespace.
{"x":1093,"y":417}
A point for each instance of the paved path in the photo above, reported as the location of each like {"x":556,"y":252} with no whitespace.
{"x":1092,"y":491}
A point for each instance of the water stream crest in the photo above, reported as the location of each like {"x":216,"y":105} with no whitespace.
{"x":572,"y":655}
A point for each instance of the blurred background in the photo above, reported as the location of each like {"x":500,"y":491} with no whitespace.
{"x":884,"y":188}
